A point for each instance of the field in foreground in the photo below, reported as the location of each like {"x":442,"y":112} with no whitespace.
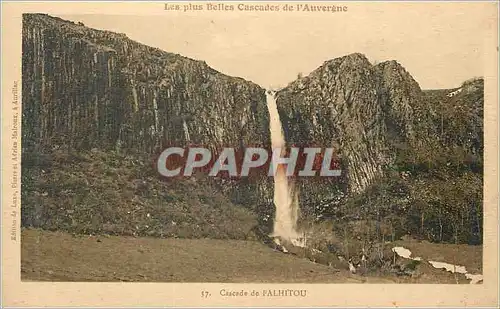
{"x":58,"y":256}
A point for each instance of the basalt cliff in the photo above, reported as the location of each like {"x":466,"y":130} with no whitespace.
{"x":86,"y":88}
{"x":115,"y":104}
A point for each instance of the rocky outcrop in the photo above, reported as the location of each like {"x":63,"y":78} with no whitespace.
{"x":412,"y":160}
{"x":398,"y":94}
{"x":355,"y":107}
{"x":84,"y":88}
{"x":454,"y":117}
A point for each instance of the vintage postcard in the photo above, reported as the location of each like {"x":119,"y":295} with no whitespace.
{"x":249,"y":154}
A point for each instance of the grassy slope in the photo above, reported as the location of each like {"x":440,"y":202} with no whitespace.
{"x":82,"y":258}
{"x":107,"y":193}
{"x":58,"y":256}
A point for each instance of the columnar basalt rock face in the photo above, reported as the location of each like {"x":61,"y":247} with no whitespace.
{"x":355,"y":107}
{"x":85,"y":88}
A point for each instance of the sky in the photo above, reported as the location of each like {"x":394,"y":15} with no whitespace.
{"x":440,"y":44}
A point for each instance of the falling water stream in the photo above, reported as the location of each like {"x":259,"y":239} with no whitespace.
{"x":287,"y":208}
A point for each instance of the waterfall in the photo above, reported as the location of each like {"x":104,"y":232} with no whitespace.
{"x":285,"y":201}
